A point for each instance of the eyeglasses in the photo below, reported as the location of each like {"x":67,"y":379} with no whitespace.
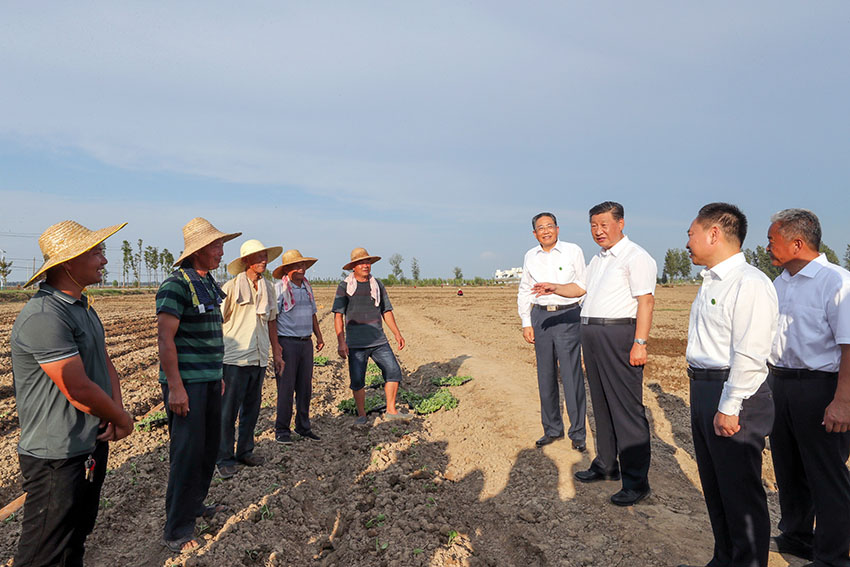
{"x":545,"y":227}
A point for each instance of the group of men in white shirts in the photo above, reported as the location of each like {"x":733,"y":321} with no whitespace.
{"x":764,"y":358}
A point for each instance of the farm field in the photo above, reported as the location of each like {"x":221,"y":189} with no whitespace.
{"x":459,"y":487}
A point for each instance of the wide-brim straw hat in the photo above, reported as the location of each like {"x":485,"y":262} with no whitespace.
{"x":359,"y":254}
{"x":198,"y":233}
{"x":66,"y":240}
{"x":249,"y":247}
{"x":291,"y":257}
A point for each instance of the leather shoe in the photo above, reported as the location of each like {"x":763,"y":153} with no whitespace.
{"x":252,"y":460}
{"x":592,"y":475}
{"x":787,"y":545}
{"x":628,"y":497}
{"x":309,"y":435}
{"x":580,"y":446}
{"x":546,"y":439}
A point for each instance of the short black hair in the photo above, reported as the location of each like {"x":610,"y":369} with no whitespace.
{"x":537,"y":217}
{"x":616,"y":210}
{"x":799,"y":223}
{"x":731,"y":220}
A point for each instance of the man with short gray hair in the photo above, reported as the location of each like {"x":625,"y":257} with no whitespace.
{"x":810,"y":377}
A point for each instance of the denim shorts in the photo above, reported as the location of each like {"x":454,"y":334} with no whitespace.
{"x":383,"y":356}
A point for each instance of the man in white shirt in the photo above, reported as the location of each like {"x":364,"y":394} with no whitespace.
{"x":810,"y":377}
{"x":730,"y":331}
{"x":616,"y":316}
{"x":552,"y":324}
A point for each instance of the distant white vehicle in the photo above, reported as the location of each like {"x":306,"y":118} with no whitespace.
{"x":509,"y":274}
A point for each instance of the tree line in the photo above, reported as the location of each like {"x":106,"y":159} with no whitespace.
{"x":678,"y":267}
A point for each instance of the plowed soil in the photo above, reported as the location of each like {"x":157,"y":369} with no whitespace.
{"x":459,"y":487}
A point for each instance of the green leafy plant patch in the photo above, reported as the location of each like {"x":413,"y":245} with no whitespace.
{"x":320,"y":360}
{"x":374,"y":381}
{"x":440,"y":399}
{"x":410,"y":398}
{"x":451,"y":380}
{"x":374,"y":403}
{"x":153,"y":420}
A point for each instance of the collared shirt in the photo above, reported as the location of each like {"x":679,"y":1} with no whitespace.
{"x":298,"y":321}
{"x":814,"y":317}
{"x":54,"y":326}
{"x":563,"y":264}
{"x":363,"y":319}
{"x":246,"y":333}
{"x":732,"y":324}
{"x":198,"y":341}
{"x":616,"y":278}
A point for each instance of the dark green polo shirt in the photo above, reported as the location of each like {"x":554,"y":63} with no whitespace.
{"x":199,"y":340}
{"x":54,"y":326}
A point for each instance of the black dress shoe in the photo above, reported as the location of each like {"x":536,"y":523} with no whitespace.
{"x":628,"y":497}
{"x":546,"y":439}
{"x":592,"y":475}
{"x":784,"y":544}
{"x":580,"y":446}
{"x":309,"y":435}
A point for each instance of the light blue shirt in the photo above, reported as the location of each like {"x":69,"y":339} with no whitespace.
{"x":298,"y":321}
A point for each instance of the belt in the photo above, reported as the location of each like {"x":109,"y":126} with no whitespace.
{"x":556,"y":307}
{"x":780,"y":372}
{"x":608,"y":321}
{"x":708,"y":373}
{"x":307,"y":338}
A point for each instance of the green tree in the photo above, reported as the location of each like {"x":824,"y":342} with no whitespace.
{"x":458,"y":273}
{"x":829,"y":252}
{"x":847,"y":257}
{"x":127,"y":250}
{"x":166,"y":260}
{"x":137,"y":265}
{"x":152,"y":262}
{"x":414,"y":269}
{"x":751,"y":257}
{"x":5,"y":269}
{"x":684,"y":264}
{"x":395,"y":261}
{"x":764,"y":263}
{"x":671,"y":263}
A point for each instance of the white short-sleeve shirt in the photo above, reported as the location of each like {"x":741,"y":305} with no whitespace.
{"x":814,"y":317}
{"x":563,"y":264}
{"x":616,"y":278}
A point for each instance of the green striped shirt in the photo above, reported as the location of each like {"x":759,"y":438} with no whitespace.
{"x":199,"y":341}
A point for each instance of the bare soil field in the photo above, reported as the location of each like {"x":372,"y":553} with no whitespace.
{"x":460,"y":487}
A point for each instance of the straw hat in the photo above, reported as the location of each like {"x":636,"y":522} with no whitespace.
{"x":249,"y":247}
{"x":198,"y":233}
{"x":359,"y":254}
{"x":291,"y":257}
{"x":66,"y":240}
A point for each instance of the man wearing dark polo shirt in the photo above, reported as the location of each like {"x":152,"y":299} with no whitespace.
{"x":191,"y":353}
{"x":68,"y":398}
{"x":360,"y":304}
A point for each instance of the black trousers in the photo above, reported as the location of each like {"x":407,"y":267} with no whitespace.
{"x":616,"y":392}
{"x":194,"y":443}
{"x":730,"y":473}
{"x":243,"y":394}
{"x":811,"y":469}
{"x":60,"y":510}
{"x":297,"y":379}
{"x":557,"y":344}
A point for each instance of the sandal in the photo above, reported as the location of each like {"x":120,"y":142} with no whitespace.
{"x":210,"y":511}
{"x":182,"y":545}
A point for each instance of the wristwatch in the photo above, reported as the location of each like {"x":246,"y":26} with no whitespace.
{"x":640,"y":342}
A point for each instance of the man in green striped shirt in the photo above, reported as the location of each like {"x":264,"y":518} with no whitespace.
{"x":191,"y":352}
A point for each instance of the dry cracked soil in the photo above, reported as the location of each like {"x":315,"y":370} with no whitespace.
{"x":460,"y":487}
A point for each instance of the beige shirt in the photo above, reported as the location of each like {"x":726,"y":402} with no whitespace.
{"x":246,"y":333}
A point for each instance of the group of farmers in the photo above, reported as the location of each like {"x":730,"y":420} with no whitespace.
{"x":214,"y":343}
{"x":764,"y":358}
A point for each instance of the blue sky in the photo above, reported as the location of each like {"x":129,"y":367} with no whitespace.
{"x":434,"y":130}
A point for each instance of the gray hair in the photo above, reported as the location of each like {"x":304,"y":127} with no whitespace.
{"x":798,"y":223}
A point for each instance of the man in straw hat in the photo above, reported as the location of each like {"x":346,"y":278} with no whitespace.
{"x":191,"y":351}
{"x":296,"y":323}
{"x":362,"y":300}
{"x":249,"y":313}
{"x":68,"y":398}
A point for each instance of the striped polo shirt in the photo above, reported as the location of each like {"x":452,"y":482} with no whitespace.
{"x":199,"y":340}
